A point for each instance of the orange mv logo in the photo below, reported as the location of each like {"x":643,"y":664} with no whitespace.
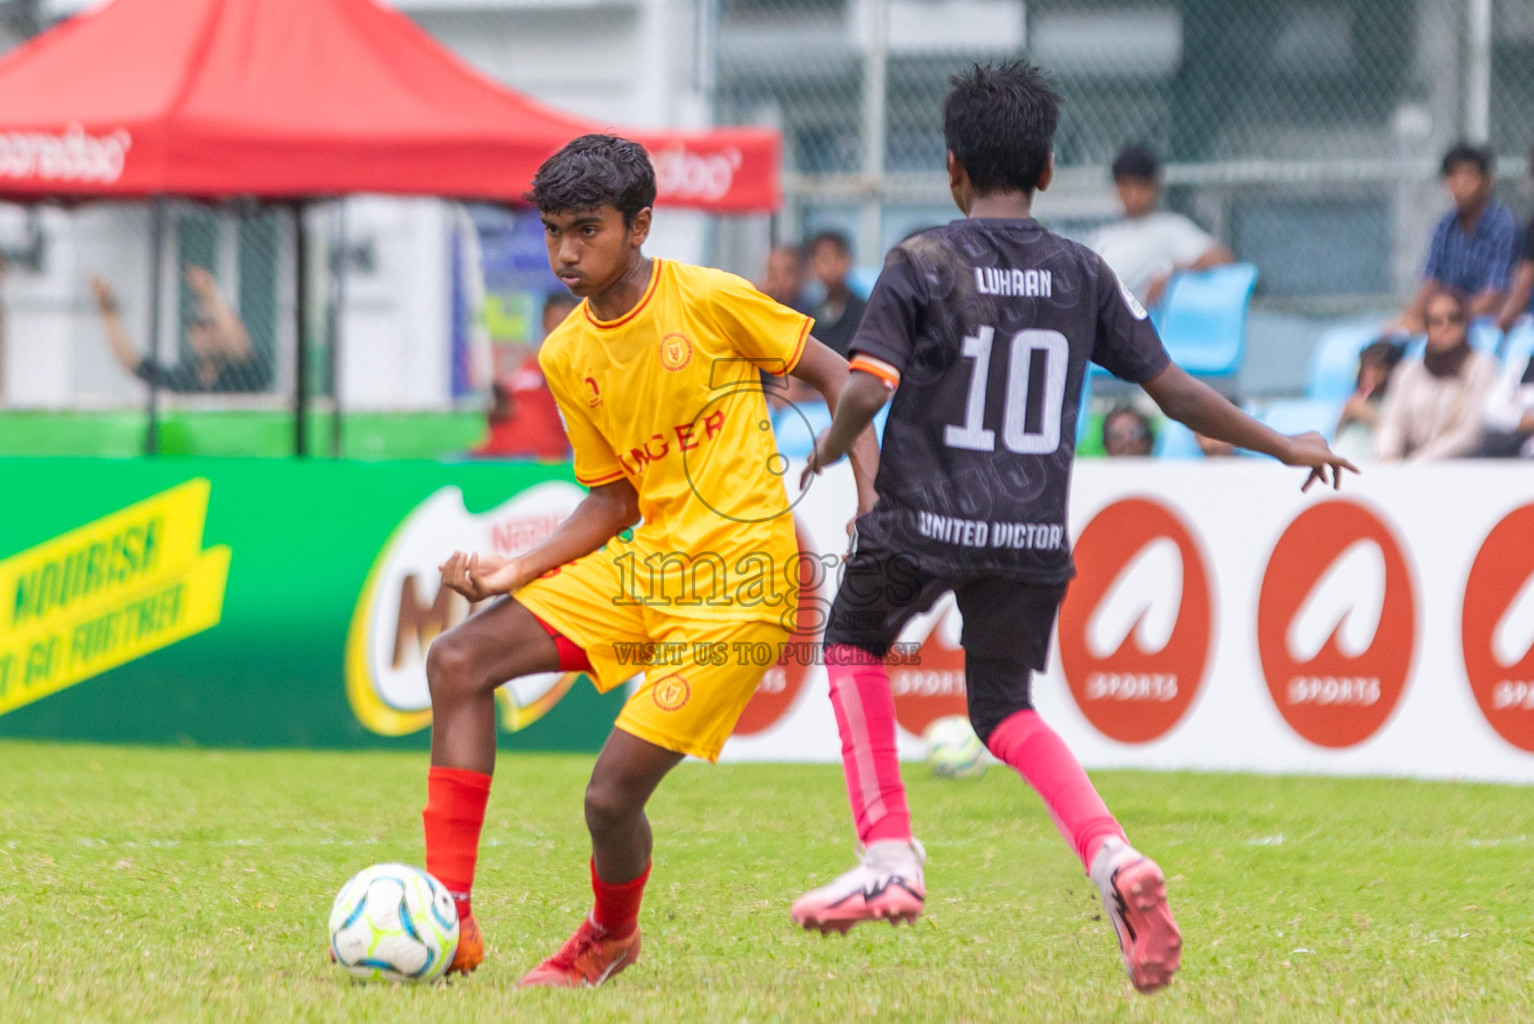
{"x":1336,"y":623}
{"x":1497,"y":628}
{"x":1137,"y":624}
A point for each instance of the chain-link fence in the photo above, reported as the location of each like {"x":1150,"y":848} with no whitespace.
{"x":1303,"y":134}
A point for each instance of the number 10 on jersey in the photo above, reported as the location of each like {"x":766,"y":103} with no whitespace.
{"x":1037,"y":361}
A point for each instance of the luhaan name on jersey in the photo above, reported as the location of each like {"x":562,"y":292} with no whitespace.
{"x":1026,"y":284}
{"x":978,"y":533}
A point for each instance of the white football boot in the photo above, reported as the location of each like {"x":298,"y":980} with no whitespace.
{"x":1134,"y":895}
{"x":887,"y":884}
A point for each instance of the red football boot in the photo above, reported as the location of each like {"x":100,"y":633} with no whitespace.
{"x":471,"y":947}
{"x":588,"y":958}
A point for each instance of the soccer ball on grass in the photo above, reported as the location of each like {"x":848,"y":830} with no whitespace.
{"x":953,"y":749}
{"x":393,"y":922}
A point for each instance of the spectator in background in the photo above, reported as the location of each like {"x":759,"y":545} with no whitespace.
{"x":1361,"y":414}
{"x":841,"y":311}
{"x":784,"y":282}
{"x":523,"y":419}
{"x":1521,"y":291}
{"x":556,"y":308}
{"x":1472,"y":250}
{"x":1509,"y":416}
{"x":1127,"y":432}
{"x":1149,"y":245}
{"x":1436,"y":402}
{"x":223,"y":358}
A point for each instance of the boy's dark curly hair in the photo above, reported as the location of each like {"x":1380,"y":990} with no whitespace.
{"x":593,"y":171}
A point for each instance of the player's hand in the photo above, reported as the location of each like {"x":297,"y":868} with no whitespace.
{"x":817,"y":460}
{"x":199,"y":280}
{"x":478,"y":577}
{"x":1310,"y":449}
{"x":103,"y":293}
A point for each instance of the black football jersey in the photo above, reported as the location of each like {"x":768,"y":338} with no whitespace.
{"x":991,"y":324}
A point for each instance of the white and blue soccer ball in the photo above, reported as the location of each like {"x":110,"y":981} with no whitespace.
{"x":953,"y":749}
{"x":393,"y":922}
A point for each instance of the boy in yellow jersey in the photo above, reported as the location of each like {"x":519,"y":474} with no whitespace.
{"x":657,"y":375}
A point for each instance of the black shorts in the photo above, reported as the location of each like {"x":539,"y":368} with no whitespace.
{"x":1007,"y":623}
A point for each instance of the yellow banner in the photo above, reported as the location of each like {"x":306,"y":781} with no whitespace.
{"x":107,"y":593}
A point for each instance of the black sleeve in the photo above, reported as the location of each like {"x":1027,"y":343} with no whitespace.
{"x":889,"y":325}
{"x":1527,"y":252}
{"x":1127,"y":345}
{"x":171,"y":378}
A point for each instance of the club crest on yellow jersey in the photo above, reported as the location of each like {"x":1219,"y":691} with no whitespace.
{"x":675,"y":351}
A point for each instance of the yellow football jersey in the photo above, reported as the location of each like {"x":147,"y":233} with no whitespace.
{"x":670,"y":396}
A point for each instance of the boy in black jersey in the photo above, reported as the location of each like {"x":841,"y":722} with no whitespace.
{"x":982,"y":330}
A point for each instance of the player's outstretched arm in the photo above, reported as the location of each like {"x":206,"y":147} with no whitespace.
{"x":827,"y":372}
{"x":1204,"y":410}
{"x":599,"y":517}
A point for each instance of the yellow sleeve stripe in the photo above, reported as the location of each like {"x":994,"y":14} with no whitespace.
{"x":597,"y":481}
{"x":804,"y":336}
{"x":878,"y":368}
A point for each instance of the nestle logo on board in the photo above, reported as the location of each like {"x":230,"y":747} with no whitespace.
{"x":681,"y":174}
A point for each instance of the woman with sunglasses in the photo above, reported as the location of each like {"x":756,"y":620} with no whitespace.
{"x":1434,"y":407}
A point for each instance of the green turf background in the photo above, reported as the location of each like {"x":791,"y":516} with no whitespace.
{"x":304,"y":535}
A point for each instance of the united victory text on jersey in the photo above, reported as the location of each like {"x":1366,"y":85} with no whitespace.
{"x":986,"y":326}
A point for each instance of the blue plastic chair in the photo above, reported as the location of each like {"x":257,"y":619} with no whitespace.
{"x":1518,"y":346}
{"x":1334,"y":363}
{"x":862,"y":279}
{"x":1297,"y":415}
{"x":1484,"y":335}
{"x":1175,"y":441}
{"x":1202,"y":318}
{"x":797,"y":426}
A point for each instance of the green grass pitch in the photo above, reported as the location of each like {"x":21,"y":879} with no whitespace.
{"x":186,"y":885}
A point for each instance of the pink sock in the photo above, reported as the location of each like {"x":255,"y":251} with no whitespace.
{"x":1023,"y":741}
{"x":865,"y":717}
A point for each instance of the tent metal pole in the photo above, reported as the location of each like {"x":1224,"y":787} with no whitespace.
{"x":301,"y":333}
{"x":156,"y":273}
{"x":337,"y":327}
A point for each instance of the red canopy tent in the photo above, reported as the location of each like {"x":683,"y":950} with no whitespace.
{"x":288,"y":99}
{"x":292,"y":100}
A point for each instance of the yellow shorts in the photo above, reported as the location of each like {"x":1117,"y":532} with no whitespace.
{"x":699,"y":673}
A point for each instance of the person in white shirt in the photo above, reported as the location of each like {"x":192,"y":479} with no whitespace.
{"x":1149,"y":245}
{"x":1509,"y":415}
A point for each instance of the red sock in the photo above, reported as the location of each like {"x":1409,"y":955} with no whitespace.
{"x":455,"y":811}
{"x":865,"y":717}
{"x":1041,"y":757}
{"x":617,"y":909}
